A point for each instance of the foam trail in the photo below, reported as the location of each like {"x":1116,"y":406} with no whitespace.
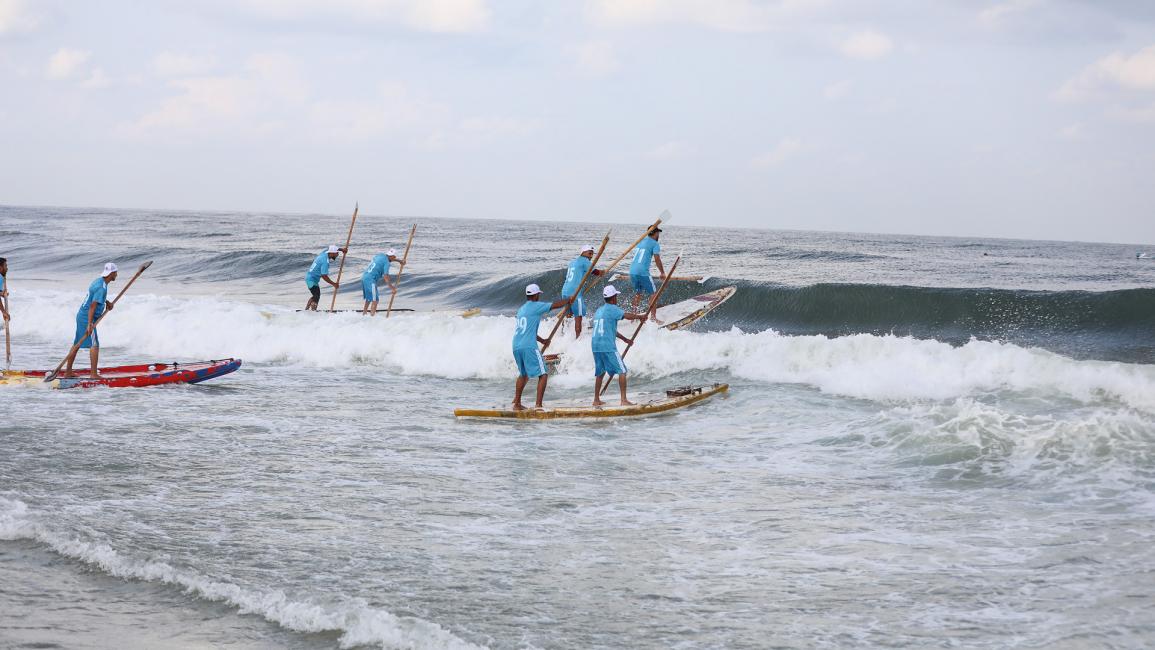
{"x":884,"y":368}
{"x":358,"y":623}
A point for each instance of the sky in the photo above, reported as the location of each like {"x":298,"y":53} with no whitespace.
{"x":1001,"y":118}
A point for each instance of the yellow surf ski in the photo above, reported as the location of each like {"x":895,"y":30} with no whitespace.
{"x":673,"y":399}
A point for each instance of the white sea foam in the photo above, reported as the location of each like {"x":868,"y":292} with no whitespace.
{"x":885,"y":368}
{"x":358,"y":623}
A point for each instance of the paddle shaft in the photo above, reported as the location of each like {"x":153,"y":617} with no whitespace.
{"x":649,"y":308}
{"x":341,"y":268}
{"x":404,"y":259}
{"x":76,"y":346}
{"x":589,"y":273}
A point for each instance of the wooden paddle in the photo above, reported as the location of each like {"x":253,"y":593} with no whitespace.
{"x":341,"y":268}
{"x":404,"y":259}
{"x":653,"y":303}
{"x":700,"y":279}
{"x":76,"y":346}
{"x":589,"y":273}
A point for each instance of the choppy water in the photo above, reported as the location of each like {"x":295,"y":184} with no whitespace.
{"x":929,"y":442}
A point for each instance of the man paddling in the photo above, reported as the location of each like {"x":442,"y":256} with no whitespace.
{"x":94,"y":305}
{"x":320,"y":271}
{"x":605,"y":346}
{"x":643,"y":284}
{"x":378,"y":268}
{"x":4,"y":288}
{"x":574,"y":274}
{"x":530,"y":363}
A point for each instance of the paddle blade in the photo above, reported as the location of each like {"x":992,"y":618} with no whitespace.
{"x":665,"y":217}
{"x":145,"y":266}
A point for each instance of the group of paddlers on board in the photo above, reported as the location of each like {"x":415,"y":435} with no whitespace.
{"x":530,"y":360}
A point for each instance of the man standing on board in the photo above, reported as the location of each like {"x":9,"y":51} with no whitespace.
{"x":574,"y":274}
{"x":378,"y":268}
{"x":94,"y":305}
{"x":530,"y":363}
{"x":640,"y":269}
{"x":605,"y":345}
{"x":4,"y":288}
{"x":317,"y":272}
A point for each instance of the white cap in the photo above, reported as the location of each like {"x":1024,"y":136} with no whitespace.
{"x":334,"y":249}
{"x":587,"y":249}
{"x":609,"y":291}
{"x":109,"y":269}
{"x":532,"y":289}
{"x":392,"y":252}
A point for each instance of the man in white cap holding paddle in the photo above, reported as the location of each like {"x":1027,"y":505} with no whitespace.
{"x":320,"y":271}
{"x":378,"y":268}
{"x":605,"y":346}
{"x":530,"y":363}
{"x":574,"y":274}
{"x":94,"y":305}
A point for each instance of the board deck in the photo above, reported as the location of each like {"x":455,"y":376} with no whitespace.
{"x":649,"y":407}
{"x":153,"y":374}
{"x":681,"y":315}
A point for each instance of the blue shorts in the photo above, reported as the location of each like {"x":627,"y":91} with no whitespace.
{"x":610,"y":362}
{"x":578,"y":308}
{"x":93,"y":340}
{"x":530,"y":363}
{"x":369,"y":290}
{"x":642,"y":283}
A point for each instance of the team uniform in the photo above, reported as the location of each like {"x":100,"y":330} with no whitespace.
{"x":530,"y":363}
{"x":604,"y":341}
{"x":640,"y":266}
{"x":97,"y":293}
{"x":573,"y":276}
{"x":313,"y":277}
{"x":377,"y":269}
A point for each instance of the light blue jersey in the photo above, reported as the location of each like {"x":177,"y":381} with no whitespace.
{"x":605,"y":327}
{"x":2,"y":283}
{"x":97,"y":293}
{"x":528,"y":320}
{"x":573,"y":275}
{"x":643,"y":254}
{"x":320,"y":267}
{"x":377,"y":268}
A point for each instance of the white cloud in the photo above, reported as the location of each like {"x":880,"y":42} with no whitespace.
{"x":673,"y":150}
{"x":65,"y":62}
{"x":176,"y":64}
{"x":394,"y":108}
{"x":16,"y":16}
{"x":596,"y":59}
{"x":837,"y":90}
{"x":998,"y":13}
{"x":97,"y":79}
{"x":868,"y":45}
{"x":1134,"y":72}
{"x":423,"y":15}
{"x":786,"y":149}
{"x":1073,"y":131}
{"x":268,"y":85}
{"x":724,"y":15}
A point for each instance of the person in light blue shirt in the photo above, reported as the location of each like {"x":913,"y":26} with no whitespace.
{"x":605,"y":345}
{"x":94,"y":305}
{"x":4,"y":289}
{"x":526,"y":354}
{"x":378,"y":268}
{"x":574,"y":274}
{"x":649,"y":249}
{"x":320,"y":271}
